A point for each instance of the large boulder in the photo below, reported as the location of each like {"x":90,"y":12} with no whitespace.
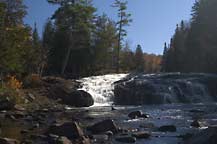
{"x":104,"y":126}
{"x":68,"y":95}
{"x":70,"y":130}
{"x":79,"y":98}
{"x":207,"y":136}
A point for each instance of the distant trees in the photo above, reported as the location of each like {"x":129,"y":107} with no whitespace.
{"x":193,"y":47}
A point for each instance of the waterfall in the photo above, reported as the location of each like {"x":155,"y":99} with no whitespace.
{"x":101,"y":87}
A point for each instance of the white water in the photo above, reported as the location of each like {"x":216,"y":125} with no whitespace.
{"x":101,"y":87}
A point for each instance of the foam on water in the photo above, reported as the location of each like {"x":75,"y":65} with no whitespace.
{"x":101,"y":87}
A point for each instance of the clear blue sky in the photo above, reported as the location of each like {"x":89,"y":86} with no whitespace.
{"x":154,"y":21}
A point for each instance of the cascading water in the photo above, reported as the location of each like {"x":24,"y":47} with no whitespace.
{"x":101,"y":87}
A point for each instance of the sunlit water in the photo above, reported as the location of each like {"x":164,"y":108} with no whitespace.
{"x":101,"y":87}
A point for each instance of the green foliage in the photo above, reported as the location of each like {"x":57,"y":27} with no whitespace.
{"x":124,"y":20}
{"x":104,"y":43}
{"x":15,"y":38}
{"x":193,"y":47}
{"x":71,"y":50}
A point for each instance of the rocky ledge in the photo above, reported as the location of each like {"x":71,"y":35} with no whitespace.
{"x":142,"y":89}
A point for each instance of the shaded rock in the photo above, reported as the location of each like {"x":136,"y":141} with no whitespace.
{"x":207,"y":136}
{"x":141,"y":135}
{"x":8,"y":141}
{"x":70,"y":130}
{"x":165,"y":88}
{"x":103,"y":126}
{"x":126,"y":139}
{"x":6,"y":104}
{"x":185,"y":136}
{"x":79,"y":98}
{"x":195,"y":124}
{"x":100,"y":138}
{"x":137,"y":114}
{"x":68,"y":96}
{"x":63,"y":140}
{"x":147,"y":125}
{"x":167,"y":128}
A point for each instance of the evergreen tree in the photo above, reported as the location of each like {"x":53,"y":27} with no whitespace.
{"x":105,"y":41}
{"x":72,"y":51}
{"x":124,"y":20}
{"x":139,"y":59}
{"x":15,"y":37}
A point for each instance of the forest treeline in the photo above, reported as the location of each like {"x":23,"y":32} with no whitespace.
{"x":193,"y":48}
{"x":75,"y":42}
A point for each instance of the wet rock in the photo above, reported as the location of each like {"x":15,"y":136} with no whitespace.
{"x":70,"y":130}
{"x":104,"y":126}
{"x":8,"y":141}
{"x":68,"y":96}
{"x":141,"y":135}
{"x":147,"y":125}
{"x":196,"y":124}
{"x":109,"y":133}
{"x":30,"y":97}
{"x":196,"y":111}
{"x":167,"y":128}
{"x":19,"y":108}
{"x":185,"y":136}
{"x":137,"y":114}
{"x":63,"y":140}
{"x":6,"y":104}
{"x":207,"y":136}
{"x":100,"y":138}
{"x":79,"y":98}
{"x":126,"y":139}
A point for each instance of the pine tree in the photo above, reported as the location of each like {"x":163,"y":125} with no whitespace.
{"x":139,"y":59}
{"x":124,"y":20}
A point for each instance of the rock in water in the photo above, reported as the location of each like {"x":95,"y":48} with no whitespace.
{"x":141,"y":135}
{"x":195,"y":124}
{"x":207,"y":136}
{"x":77,"y":98}
{"x":167,"y":128}
{"x":126,"y":139}
{"x":165,"y":88}
{"x":137,"y":114}
{"x":8,"y":141}
{"x":104,"y":126}
{"x":70,"y":130}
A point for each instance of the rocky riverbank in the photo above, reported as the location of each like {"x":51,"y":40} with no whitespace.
{"x":55,"y":112}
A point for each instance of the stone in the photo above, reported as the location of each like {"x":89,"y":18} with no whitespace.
{"x":104,"y":126}
{"x":126,"y":139}
{"x":207,"y":136}
{"x":137,"y":114}
{"x":6,"y":104}
{"x":76,"y":98}
{"x":141,"y":135}
{"x":196,"y":124}
{"x":8,"y":141}
{"x":147,"y":125}
{"x":167,"y":128}
{"x":63,"y":140}
{"x":70,"y":130}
